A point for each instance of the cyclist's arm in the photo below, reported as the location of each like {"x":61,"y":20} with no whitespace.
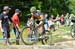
{"x":41,"y":20}
{"x":31,"y":18}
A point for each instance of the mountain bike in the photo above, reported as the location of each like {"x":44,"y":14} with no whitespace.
{"x":34,"y":36}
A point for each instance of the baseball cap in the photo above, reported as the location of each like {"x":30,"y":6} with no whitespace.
{"x":17,"y":10}
{"x":6,"y":8}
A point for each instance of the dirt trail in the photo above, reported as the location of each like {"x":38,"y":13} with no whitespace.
{"x":69,"y":44}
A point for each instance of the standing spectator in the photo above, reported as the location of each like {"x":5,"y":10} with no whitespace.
{"x":71,"y":19}
{"x":4,"y":24}
{"x":51,"y":23}
{"x":16,"y":25}
{"x":67,"y":19}
{"x":62,"y":19}
{"x":57,"y":21}
{"x":46,"y":22}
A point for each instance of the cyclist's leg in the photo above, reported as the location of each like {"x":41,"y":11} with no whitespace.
{"x":28,"y":30}
{"x":43,"y":30}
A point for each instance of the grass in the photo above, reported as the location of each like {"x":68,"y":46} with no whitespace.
{"x":57,"y":38}
{"x":58,"y":34}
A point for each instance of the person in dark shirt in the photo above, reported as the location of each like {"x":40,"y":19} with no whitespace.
{"x":4,"y":24}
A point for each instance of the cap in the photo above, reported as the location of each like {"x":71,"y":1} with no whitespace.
{"x":6,"y":8}
{"x":32,"y":9}
{"x":17,"y":10}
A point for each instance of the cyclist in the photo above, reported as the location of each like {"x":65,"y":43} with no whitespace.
{"x":16,"y":24}
{"x":39,"y":18}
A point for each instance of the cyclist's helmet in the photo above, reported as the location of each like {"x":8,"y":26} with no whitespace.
{"x":32,"y":9}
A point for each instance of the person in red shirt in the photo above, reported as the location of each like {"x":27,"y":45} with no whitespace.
{"x":16,"y":24}
{"x":62,"y":19}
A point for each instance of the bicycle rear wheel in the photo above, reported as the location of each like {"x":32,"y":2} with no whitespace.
{"x":47,"y":39}
{"x":28,"y":38}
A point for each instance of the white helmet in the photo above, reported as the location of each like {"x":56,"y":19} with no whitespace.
{"x":32,"y":9}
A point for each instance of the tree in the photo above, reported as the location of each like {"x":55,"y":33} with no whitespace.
{"x":50,"y":6}
{"x":72,"y":6}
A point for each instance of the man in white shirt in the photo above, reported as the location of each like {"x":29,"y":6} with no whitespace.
{"x":51,"y":24}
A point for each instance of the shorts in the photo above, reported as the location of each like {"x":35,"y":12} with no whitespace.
{"x":52,"y":27}
{"x":62,"y":23}
{"x":71,"y":23}
{"x":46,"y":26}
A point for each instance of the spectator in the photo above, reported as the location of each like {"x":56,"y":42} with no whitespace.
{"x":51,"y":24}
{"x":67,"y":19}
{"x":57,"y":21}
{"x":16,"y":25}
{"x":46,"y":22}
{"x":4,"y":24}
{"x":62,"y":19}
{"x":72,"y":19}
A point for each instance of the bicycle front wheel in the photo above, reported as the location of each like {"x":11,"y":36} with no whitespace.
{"x":28,"y":38}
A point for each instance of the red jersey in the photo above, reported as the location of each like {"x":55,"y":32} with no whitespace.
{"x":62,"y":18}
{"x":15,"y":20}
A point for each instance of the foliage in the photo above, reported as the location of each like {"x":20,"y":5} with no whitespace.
{"x":72,"y":6}
{"x":47,"y":6}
